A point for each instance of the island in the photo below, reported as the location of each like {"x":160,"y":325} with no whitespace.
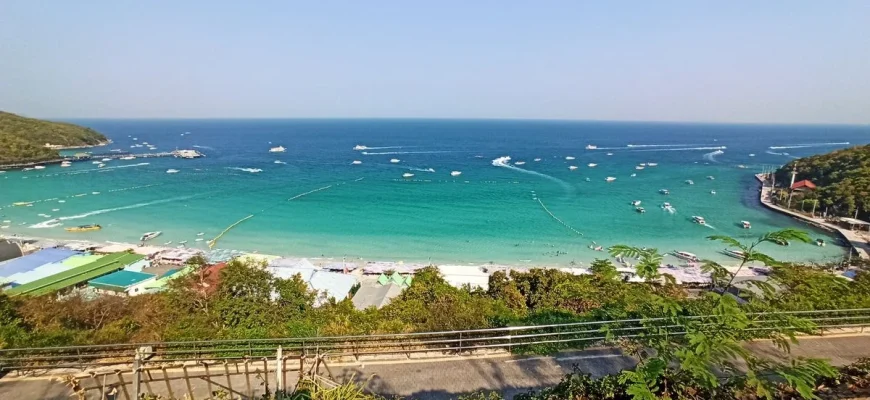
{"x":28,"y":140}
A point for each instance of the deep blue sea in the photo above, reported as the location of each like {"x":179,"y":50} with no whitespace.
{"x":313,"y":201}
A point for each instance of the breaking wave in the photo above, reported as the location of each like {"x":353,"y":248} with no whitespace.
{"x":57,"y":221}
{"x":805,"y":145}
{"x":251,"y":170}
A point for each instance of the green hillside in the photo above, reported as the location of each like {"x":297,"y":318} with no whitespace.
{"x":23,"y":139}
{"x":842,"y":177}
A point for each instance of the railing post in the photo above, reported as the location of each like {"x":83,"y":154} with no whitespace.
{"x":279,"y":370}
{"x":137,"y":379}
{"x":460,"y":342}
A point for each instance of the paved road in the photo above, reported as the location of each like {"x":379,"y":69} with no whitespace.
{"x":446,"y":379}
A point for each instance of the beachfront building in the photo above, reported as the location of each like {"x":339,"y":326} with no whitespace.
{"x":803,"y":186}
{"x":327,"y":284}
{"x":33,"y":261}
{"x":121,"y":283}
{"x":52,"y":269}
{"x":376,"y":296}
{"x":77,"y":276}
{"x":177,"y":256}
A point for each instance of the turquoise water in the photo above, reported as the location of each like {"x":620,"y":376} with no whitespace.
{"x":369,"y":211}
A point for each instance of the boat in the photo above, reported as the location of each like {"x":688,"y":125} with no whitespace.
{"x":711,"y":177}
{"x":356,"y":162}
{"x":172,"y":171}
{"x":65,"y":164}
{"x":101,"y":165}
{"x":633,"y":175}
{"x":279,"y":162}
{"x":183,"y":242}
{"x":407,"y":175}
{"x":145,"y":143}
{"x":520,"y":163}
{"x":588,"y":180}
{"x":537,"y":159}
{"x":781,"y":242}
{"x":279,"y":149}
{"x":106,"y":160}
{"x":26,"y":169}
{"x":609,"y":154}
{"x":640,"y":210}
{"x":167,"y":243}
{"x":591,"y":147}
{"x":689,"y":182}
{"x":456,"y":173}
{"x":395,"y":160}
{"x":610,"y":179}
{"x":699,"y":220}
{"x":128,"y":158}
{"x":664,"y":191}
{"x":652,"y":164}
{"x":734,"y":253}
{"x":569,"y":158}
{"x":84,"y":228}
{"x":200,"y":234}
{"x":572,"y":167}
{"x":666,"y":204}
{"x":752,"y":155}
{"x":639,"y":167}
{"x":712,"y":192}
{"x":360,"y":147}
{"x":669,"y":208}
{"x":95,"y":162}
{"x":685,"y":255}
{"x":820,"y":242}
{"x":150,"y":235}
{"x":116,"y":150}
{"x":635,"y":203}
{"x":746,"y":224}
{"x":741,"y":166}
{"x":135,"y":138}
{"x":592,"y":165}
{"x":198,"y":240}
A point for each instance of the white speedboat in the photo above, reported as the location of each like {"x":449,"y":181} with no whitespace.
{"x":520,"y":163}
{"x":746,"y":224}
{"x":711,"y":177}
{"x":741,"y":166}
{"x":712,"y":192}
{"x":699,"y":220}
{"x":200,"y":234}
{"x":360,"y":147}
{"x":456,"y":173}
{"x":689,"y":182}
{"x":669,"y":208}
{"x":652,"y":164}
{"x":639,"y":167}
{"x":95,"y":162}
{"x":407,"y":175}
{"x":279,"y":149}
{"x":101,"y":165}
{"x":573,"y":167}
{"x":356,"y":162}
{"x":635,"y":203}
{"x":640,"y":210}
{"x":172,"y":171}
{"x":279,"y":162}
{"x":752,"y":155}
{"x":685,"y":255}
{"x":610,"y":179}
{"x":135,"y":138}
{"x":537,"y":159}
{"x":592,"y":165}
{"x":609,"y":154}
{"x":633,"y":175}
{"x":591,"y":147}
{"x":588,"y":180}
{"x":149,"y":235}
{"x":106,"y":160}
{"x":395,"y":161}
{"x":642,"y":164}
{"x":65,"y":164}
{"x":569,"y":158}
{"x":116,"y":150}
{"x":198,"y":240}
{"x":128,"y":158}
{"x":664,"y":191}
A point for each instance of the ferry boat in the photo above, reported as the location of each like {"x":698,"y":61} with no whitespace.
{"x":734,"y":253}
{"x":664,"y":191}
{"x":84,"y":228}
{"x":395,"y":160}
{"x":699,"y":220}
{"x":689,"y":182}
{"x":746,"y":224}
{"x":150,"y":235}
{"x":407,"y":175}
{"x":592,"y":165}
{"x":569,"y":158}
{"x":356,"y":162}
{"x":279,"y":149}
{"x":456,"y":173}
{"x":610,"y":179}
{"x":591,"y":147}
{"x":684,"y":255}
{"x":640,"y":210}
{"x":360,"y":147}
{"x":172,"y":171}
{"x":635,"y":203}
{"x":573,"y":167}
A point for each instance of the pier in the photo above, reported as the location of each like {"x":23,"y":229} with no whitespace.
{"x":186,"y":154}
{"x":856,"y":239}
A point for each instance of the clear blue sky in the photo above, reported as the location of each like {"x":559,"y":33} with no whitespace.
{"x":788,"y":61}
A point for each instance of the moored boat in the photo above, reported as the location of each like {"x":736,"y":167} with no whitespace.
{"x":172,"y":171}
{"x":685,"y":255}
{"x":640,"y":210}
{"x":746,"y":224}
{"x":150,"y":235}
{"x":407,"y":175}
{"x":569,"y":158}
{"x":664,"y":191}
{"x":84,"y":228}
{"x":279,"y":149}
{"x":592,"y":165}
{"x":635,"y":203}
{"x":456,"y":173}
{"x":591,"y":147}
{"x":734,"y":253}
{"x":356,"y":162}
{"x":689,"y":182}
{"x":572,"y":167}
{"x":395,"y":160}
{"x":609,"y":179}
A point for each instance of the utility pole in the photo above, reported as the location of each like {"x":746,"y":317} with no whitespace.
{"x":790,"y":190}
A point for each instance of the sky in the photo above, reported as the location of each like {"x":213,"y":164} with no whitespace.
{"x":778,"y":61}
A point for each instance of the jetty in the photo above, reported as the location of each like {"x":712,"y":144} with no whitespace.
{"x":186,"y":154}
{"x":858,"y":240}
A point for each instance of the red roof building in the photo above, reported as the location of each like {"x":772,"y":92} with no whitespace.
{"x":804,"y":185}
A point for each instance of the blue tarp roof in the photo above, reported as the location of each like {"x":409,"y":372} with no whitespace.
{"x":35,"y":260}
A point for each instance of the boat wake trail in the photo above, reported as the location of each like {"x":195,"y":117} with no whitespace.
{"x":781,"y":154}
{"x":251,"y":170}
{"x":57,"y":221}
{"x":421,"y":169}
{"x":87,"y":171}
{"x":686,"y":148}
{"x":203,"y":147}
{"x":504,"y":162}
{"x":368,"y":153}
{"x":385,"y":147}
{"x":711,"y":156}
{"x":661,"y":145}
{"x":805,"y":145}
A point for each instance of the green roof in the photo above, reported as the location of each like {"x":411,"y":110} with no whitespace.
{"x":119,"y":281}
{"x":78,"y":261}
{"x":102,"y":266}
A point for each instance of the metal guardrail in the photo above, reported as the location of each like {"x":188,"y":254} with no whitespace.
{"x":447,"y":342}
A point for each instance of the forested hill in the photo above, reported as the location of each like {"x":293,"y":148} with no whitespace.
{"x":23,"y":139}
{"x":842,"y":177}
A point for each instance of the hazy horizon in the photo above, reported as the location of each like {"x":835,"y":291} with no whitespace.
{"x":780,"y":62}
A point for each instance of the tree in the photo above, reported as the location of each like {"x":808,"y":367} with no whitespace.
{"x":604,"y":268}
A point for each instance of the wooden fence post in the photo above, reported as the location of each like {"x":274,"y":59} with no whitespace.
{"x":279,"y":370}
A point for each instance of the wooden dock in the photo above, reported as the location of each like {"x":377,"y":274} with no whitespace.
{"x":857,"y":239}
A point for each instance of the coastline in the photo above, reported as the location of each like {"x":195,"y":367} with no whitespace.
{"x":27,"y":164}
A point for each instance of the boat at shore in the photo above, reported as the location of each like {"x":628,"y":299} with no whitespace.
{"x":734,"y":253}
{"x":150,"y":235}
{"x":685,"y":255}
{"x":279,"y":149}
{"x":84,"y":228}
